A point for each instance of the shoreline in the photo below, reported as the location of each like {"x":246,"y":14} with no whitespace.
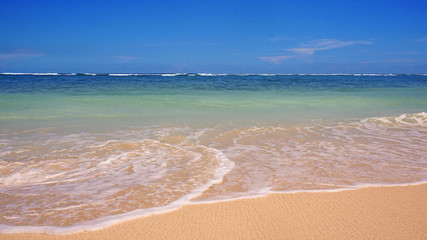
{"x":386,"y":212}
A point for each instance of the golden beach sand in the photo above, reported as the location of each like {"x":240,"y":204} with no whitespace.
{"x":397,"y":212}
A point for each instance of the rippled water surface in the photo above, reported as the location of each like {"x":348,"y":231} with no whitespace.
{"x":77,"y":151}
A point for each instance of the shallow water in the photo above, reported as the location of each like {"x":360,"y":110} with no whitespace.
{"x":79,"y":151}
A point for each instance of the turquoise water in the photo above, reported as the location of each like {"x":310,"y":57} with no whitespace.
{"x":84,"y":151}
{"x":42,"y":101}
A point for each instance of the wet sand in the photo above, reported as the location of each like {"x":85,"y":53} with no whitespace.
{"x":398,"y":212}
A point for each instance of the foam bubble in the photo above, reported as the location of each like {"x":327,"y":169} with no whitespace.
{"x":323,"y":155}
{"x":79,"y":173}
{"x":35,"y":74}
{"x":116,"y":176}
{"x":173,"y":74}
{"x":123,"y":74}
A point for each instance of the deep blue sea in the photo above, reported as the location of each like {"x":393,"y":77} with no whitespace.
{"x":83,"y":151}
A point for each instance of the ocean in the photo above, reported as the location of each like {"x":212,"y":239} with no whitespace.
{"x":84,"y":151}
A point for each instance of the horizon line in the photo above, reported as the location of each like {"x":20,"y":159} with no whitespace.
{"x":199,"y":74}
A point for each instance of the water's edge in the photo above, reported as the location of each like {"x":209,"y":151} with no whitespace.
{"x":105,"y":222}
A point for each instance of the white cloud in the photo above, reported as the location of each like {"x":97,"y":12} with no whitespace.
{"x":310,"y":48}
{"x":20,"y":54}
{"x":324,"y":44}
{"x":276,"y":59}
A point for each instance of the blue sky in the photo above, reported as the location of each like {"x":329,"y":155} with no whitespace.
{"x":214,"y":36}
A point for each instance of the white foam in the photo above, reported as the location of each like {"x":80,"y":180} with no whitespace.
{"x":123,"y":74}
{"x":415,"y":119}
{"x":92,"y":225}
{"x":218,"y":74}
{"x":119,"y":157}
{"x":352,"y":187}
{"x":35,"y":74}
{"x":7,"y":73}
{"x":46,"y":74}
{"x":172,"y":74}
{"x":211,"y":74}
{"x":32,"y":177}
{"x":375,"y":129}
{"x":266,"y":191}
{"x":225,"y":166}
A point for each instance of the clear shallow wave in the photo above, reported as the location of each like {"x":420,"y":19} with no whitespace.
{"x":156,"y":99}
{"x":60,"y":183}
{"x":84,"y":177}
{"x":107,"y":148}
{"x":324,"y":156}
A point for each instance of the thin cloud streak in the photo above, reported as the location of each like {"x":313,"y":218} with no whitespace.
{"x":424,"y":39}
{"x":399,"y":60}
{"x":310,"y":48}
{"x":276,"y":59}
{"x":324,"y":44}
{"x":20,"y":54}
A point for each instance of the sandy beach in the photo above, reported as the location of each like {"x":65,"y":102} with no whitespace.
{"x":398,"y":212}
{"x":216,"y":120}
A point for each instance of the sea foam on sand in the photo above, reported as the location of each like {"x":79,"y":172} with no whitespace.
{"x":393,"y":212}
